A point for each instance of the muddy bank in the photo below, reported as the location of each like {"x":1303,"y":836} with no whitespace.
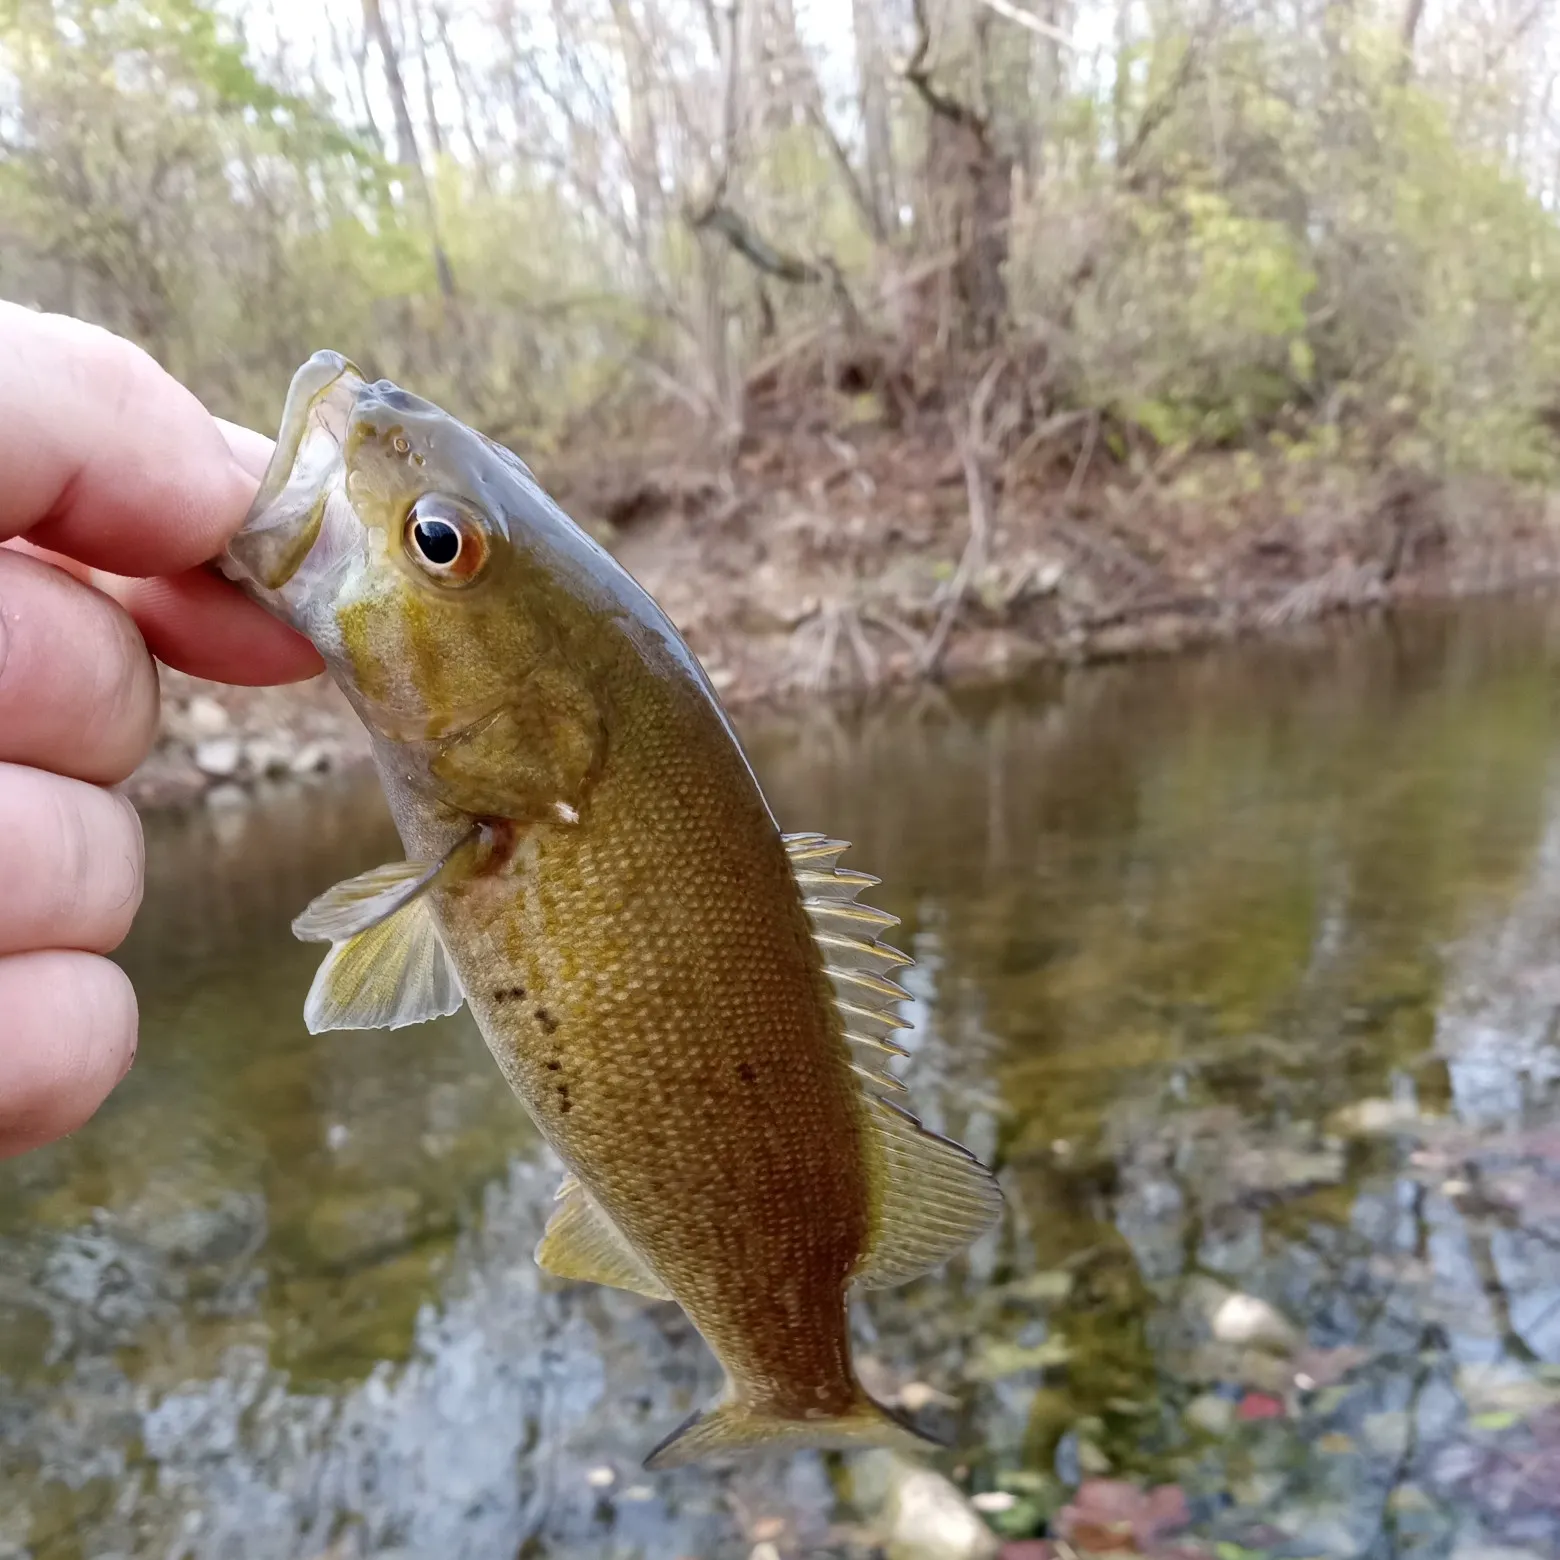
{"x":821,"y":560}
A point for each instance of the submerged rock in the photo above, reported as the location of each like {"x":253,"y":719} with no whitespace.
{"x":219,"y":758}
{"x":920,"y":1514}
{"x":1211,"y":1413}
{"x":1249,"y":1322}
{"x":1373,"y":1118}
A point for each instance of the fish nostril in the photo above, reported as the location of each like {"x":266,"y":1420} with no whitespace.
{"x":390,"y":395}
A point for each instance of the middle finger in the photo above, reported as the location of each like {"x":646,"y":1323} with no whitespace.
{"x":78,"y":692}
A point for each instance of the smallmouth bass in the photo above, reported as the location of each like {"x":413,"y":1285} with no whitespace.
{"x":687,"y":1001}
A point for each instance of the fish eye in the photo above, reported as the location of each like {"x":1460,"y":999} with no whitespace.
{"x":444,"y":540}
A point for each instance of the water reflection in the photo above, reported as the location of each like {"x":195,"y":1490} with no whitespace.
{"x":1239,"y":966}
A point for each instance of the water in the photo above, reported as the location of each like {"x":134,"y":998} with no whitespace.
{"x":1243,"y":968}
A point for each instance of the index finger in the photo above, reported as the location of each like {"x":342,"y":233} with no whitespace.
{"x":107,"y":458}
{"x":117,"y":474}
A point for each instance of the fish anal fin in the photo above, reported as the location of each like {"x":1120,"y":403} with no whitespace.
{"x":580,"y":1242}
{"x":932,"y":1199}
{"x":393,"y":974}
{"x":734,"y":1428}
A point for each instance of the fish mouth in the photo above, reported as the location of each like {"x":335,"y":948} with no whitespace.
{"x":307,"y":467}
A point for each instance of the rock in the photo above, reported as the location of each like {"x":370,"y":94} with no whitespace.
{"x":1284,"y":1168}
{"x":1318,"y":1368}
{"x":1092,"y":1458}
{"x":346,"y":1227}
{"x":928,"y":1519}
{"x":268,"y":756}
{"x":922,"y":1515}
{"x":1258,"y":1490}
{"x":1048,"y":576}
{"x":915,"y":1396}
{"x":227,"y":795}
{"x":219,"y":757}
{"x":1050,"y":1287}
{"x":1498,"y":1388}
{"x":1111,"y":1514}
{"x":313,"y":758}
{"x":203,"y":717}
{"x":1476,"y":1549}
{"x":1249,"y":1322}
{"x":1373,"y":1118}
{"x":1258,"y":1405}
{"x":1386,"y":1433}
{"x":1330,"y":1535}
{"x":994,"y":1501}
{"x":1210,"y":1413}
{"x":999,"y":1359}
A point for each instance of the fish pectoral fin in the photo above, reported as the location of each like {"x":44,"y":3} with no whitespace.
{"x":732,"y":1428}
{"x":393,"y":974}
{"x":357,"y":903}
{"x":934,"y":1198}
{"x":582,"y":1242}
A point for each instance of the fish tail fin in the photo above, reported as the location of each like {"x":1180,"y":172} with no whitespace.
{"x":733,"y":1428}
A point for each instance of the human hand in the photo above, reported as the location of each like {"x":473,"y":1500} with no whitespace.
{"x":116,"y":485}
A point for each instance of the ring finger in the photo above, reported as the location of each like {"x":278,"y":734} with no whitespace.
{"x":71,"y":859}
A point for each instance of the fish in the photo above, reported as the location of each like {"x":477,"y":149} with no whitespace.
{"x":695,"y":1008}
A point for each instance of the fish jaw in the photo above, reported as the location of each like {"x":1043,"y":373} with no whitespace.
{"x":302,"y":542}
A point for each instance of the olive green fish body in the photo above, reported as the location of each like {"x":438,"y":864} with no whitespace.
{"x":691,"y":1005}
{"x":648,"y":982}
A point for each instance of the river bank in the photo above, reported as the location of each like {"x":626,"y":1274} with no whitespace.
{"x":825,"y":560}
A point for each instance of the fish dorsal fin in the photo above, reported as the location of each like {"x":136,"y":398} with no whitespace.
{"x":395,"y":973}
{"x":931,"y":1197}
{"x":581,"y":1242}
{"x":854,"y":959}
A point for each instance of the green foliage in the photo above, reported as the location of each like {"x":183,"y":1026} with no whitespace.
{"x":1265,"y":231}
{"x":1212,"y":306}
{"x":1307,"y":233}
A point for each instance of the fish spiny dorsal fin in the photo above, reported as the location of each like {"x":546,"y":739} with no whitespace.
{"x":931,"y":1197}
{"x":847,"y":936}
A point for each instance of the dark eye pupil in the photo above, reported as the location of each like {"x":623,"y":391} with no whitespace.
{"x":437,"y":540}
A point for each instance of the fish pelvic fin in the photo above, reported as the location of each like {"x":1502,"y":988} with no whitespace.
{"x":931,"y":1196}
{"x":735,"y":1428}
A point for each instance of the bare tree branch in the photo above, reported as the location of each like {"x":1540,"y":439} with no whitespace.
{"x":1041,"y":28}
{"x":918,"y":73}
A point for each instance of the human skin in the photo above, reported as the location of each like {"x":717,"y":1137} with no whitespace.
{"x":116,"y":485}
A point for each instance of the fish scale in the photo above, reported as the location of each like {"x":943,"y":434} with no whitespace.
{"x":693,"y":1007}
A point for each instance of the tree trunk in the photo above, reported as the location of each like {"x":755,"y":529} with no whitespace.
{"x":642,"y":141}
{"x":406,"y":138}
{"x":872,"y":91}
